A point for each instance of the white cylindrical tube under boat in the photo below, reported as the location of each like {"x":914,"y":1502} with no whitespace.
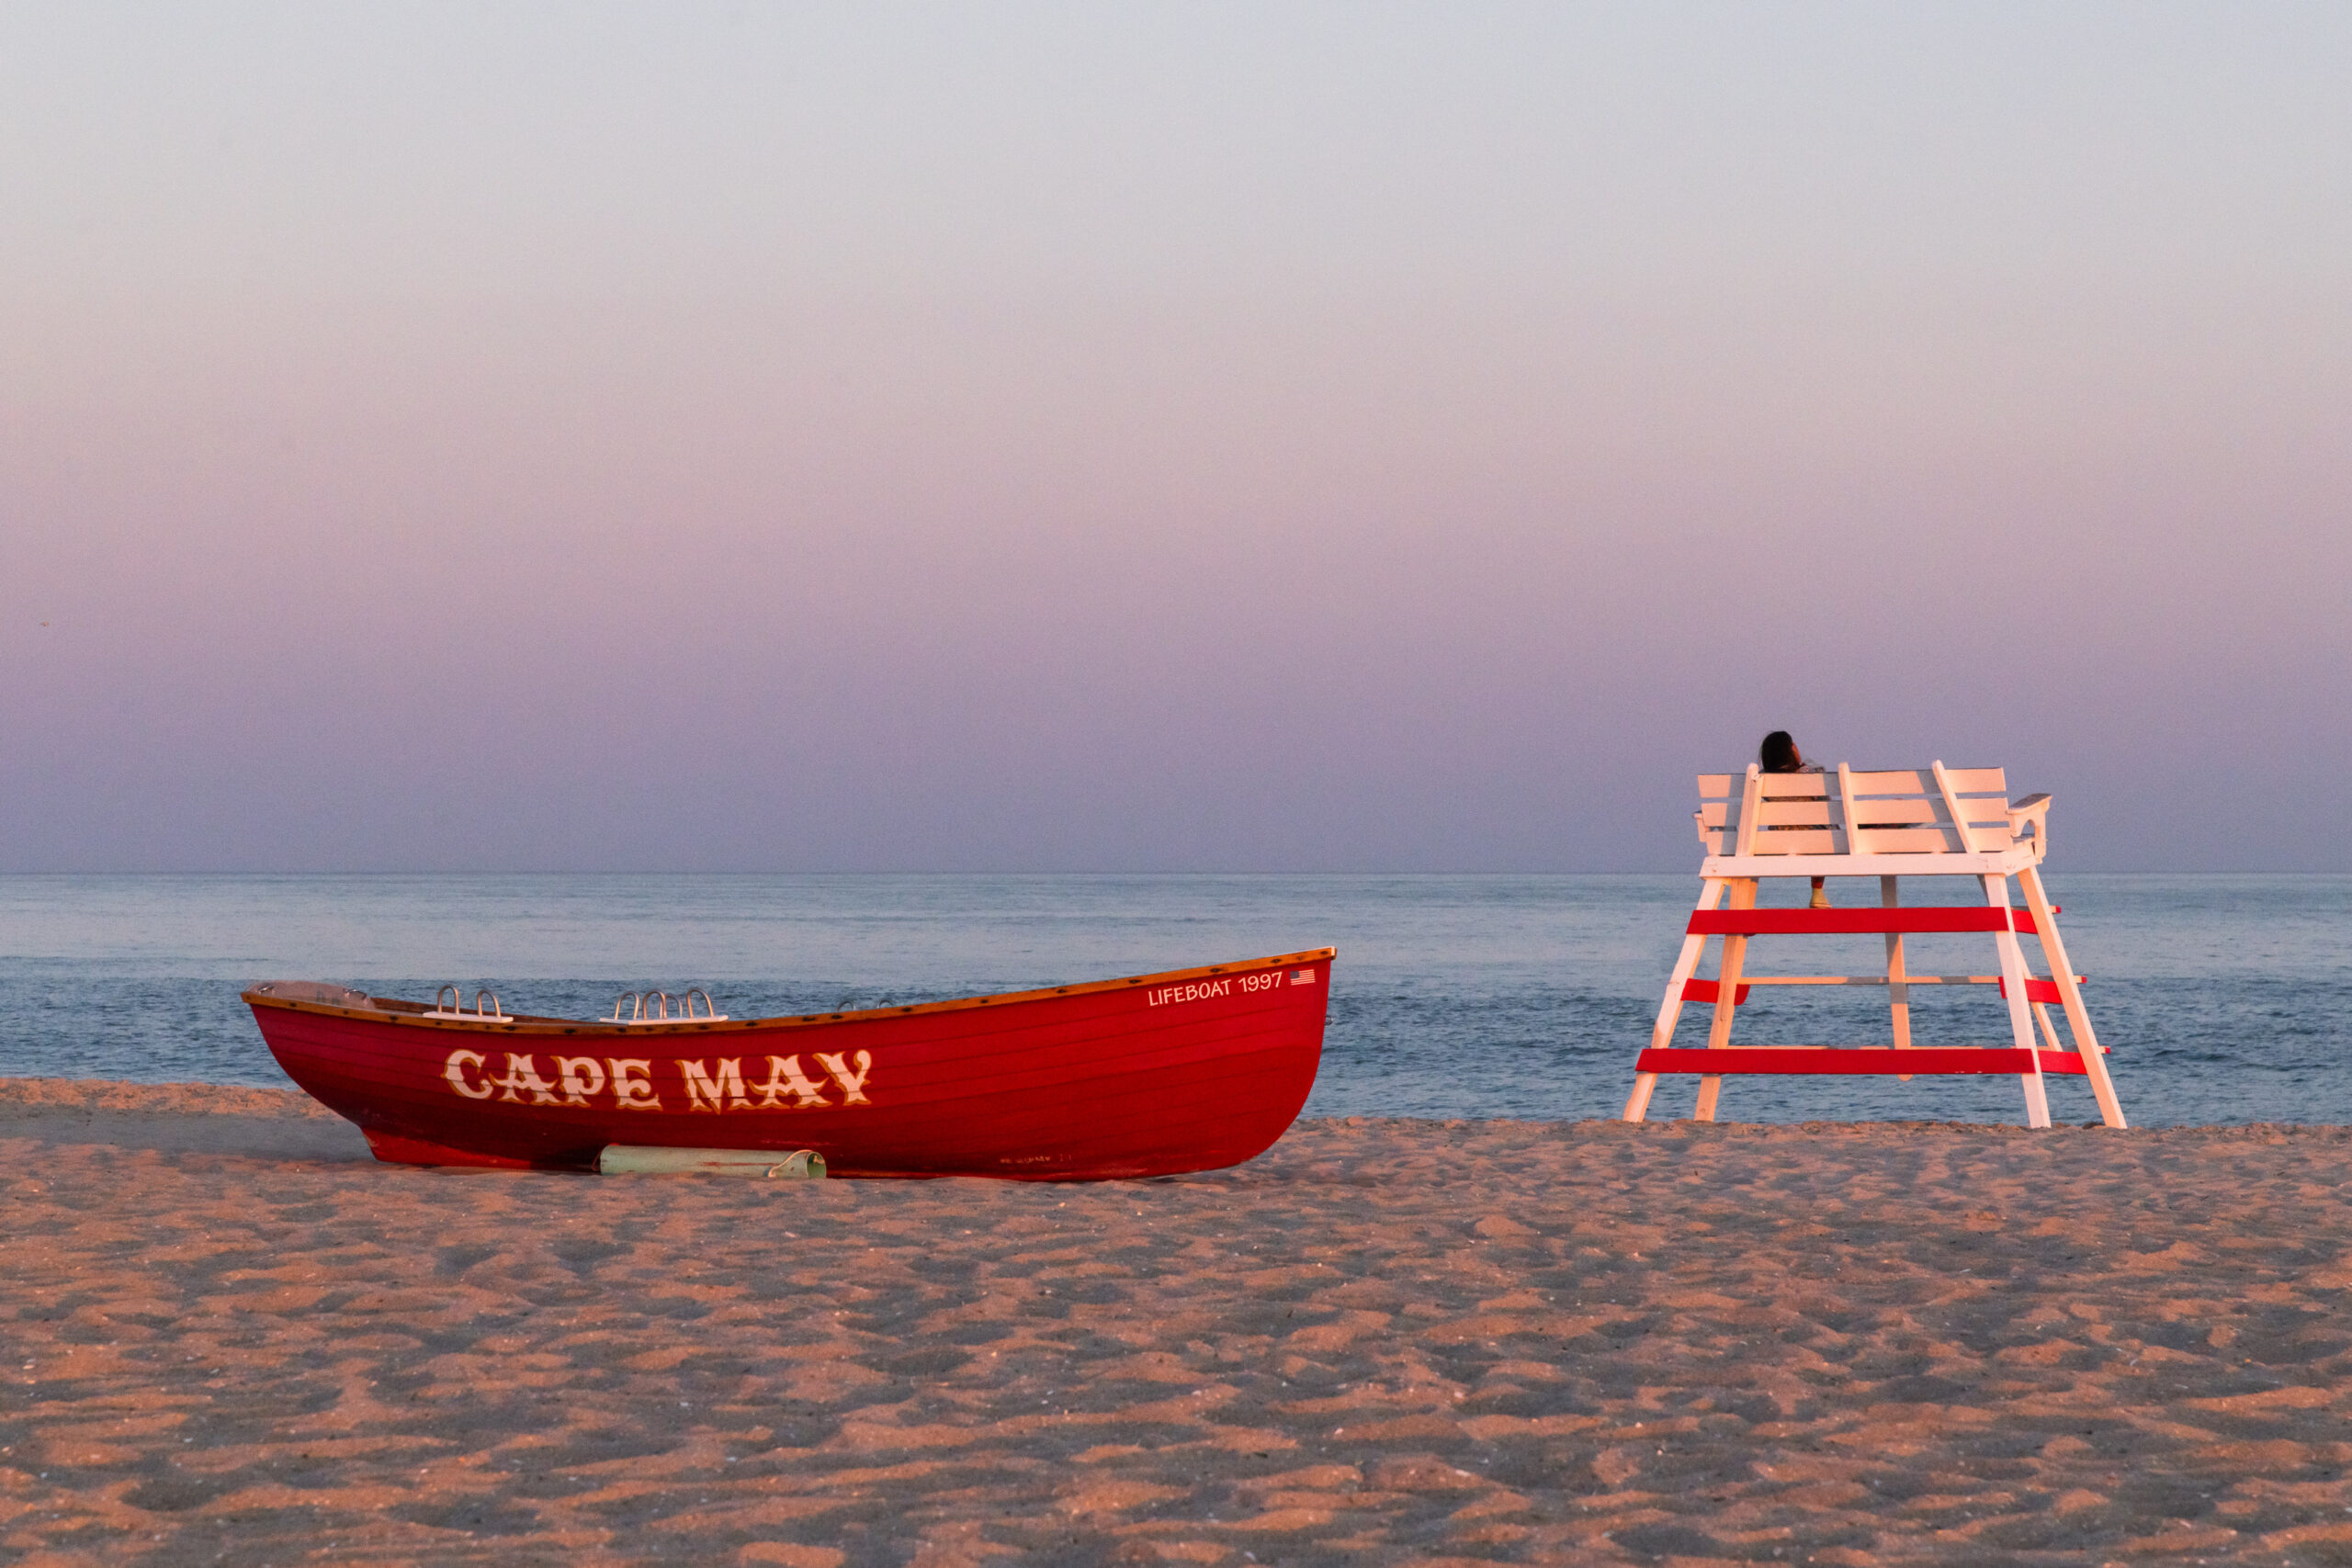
{"x":637,"y":1159}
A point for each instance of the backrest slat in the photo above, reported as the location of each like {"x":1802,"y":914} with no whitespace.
{"x":1977,"y":781}
{"x":1786,"y":813}
{"x":1744,"y":832}
{"x":1804,"y":785}
{"x":1985,"y":822}
{"x":1922,"y":781}
{"x":1857,"y":841}
{"x":1883,"y":811}
{"x":1799,"y":842}
{"x":1895,"y":781}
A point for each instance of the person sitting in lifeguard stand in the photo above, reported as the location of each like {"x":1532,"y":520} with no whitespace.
{"x":1779,"y":754}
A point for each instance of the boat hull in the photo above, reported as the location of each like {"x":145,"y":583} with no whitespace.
{"x":1147,"y":1075}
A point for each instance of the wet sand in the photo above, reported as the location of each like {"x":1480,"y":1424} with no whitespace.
{"x":229,"y":1336}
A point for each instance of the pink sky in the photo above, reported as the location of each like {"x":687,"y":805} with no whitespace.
{"x":1356,"y":439}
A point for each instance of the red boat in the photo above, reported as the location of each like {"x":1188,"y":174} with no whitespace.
{"x":1189,"y":1070}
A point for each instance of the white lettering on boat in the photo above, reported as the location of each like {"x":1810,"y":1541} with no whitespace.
{"x":1202,"y":990}
{"x":523,"y":1074}
{"x":456,"y":1073}
{"x":633,"y":1084}
{"x":853,"y":1086}
{"x":577,"y":1073}
{"x":784,"y":1073}
{"x":714,"y":1093}
{"x":580,"y":1080}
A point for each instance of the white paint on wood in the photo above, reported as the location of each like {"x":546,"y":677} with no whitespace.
{"x":2070,"y":995}
{"x":1745,"y":844}
{"x":1669,"y":1011}
{"x":1898,"y":987}
{"x":2002,"y":863}
{"x":2013,"y":972}
{"x":1918,"y":780}
{"x":1711,"y":1086}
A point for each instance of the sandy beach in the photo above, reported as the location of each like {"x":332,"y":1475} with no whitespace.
{"x":230,"y":1336}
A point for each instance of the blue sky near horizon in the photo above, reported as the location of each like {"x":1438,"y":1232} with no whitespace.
{"x":1191,"y":437}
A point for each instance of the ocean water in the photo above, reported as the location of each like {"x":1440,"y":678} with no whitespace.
{"x":2225,"y":998}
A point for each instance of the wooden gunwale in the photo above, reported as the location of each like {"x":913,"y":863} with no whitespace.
{"x":399,"y":1013}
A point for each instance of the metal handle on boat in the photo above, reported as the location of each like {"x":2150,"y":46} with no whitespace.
{"x":654,"y":1007}
{"x":449,"y":1001}
{"x":644,"y":1007}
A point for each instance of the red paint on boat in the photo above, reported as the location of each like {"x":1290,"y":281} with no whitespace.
{"x":1150,"y":1075}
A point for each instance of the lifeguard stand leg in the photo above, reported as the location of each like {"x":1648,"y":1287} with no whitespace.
{"x":2013,"y":978}
{"x":1711,"y":1085}
{"x":2078,"y":1019}
{"x":1898,"y":993}
{"x":1686,"y":965}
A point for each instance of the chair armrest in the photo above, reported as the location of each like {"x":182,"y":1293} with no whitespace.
{"x":2033,"y":808}
{"x":1698,"y":819}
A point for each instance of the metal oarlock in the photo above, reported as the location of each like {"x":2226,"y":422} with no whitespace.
{"x":654,"y":1007}
{"x":455,"y":1005}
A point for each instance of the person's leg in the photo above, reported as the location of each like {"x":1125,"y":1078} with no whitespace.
{"x":1820,"y":894}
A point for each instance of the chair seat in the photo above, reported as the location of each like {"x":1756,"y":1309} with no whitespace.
{"x":2006,"y":861}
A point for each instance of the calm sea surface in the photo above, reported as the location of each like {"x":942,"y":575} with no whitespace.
{"x":2225,"y":999}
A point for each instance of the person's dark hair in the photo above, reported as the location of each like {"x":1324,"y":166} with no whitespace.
{"x":1779,"y":753}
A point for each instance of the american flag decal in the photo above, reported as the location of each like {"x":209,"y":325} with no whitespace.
{"x":1302,"y":976}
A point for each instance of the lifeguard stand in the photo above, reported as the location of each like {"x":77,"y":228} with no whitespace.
{"x":1940,"y":822}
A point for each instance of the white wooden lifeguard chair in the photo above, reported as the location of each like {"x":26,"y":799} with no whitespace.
{"x":1937,"y":822}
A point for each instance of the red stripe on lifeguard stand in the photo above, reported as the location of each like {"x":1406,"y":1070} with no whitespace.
{"x":1863,"y":922}
{"x":1826,"y":922}
{"x":2039,"y":990}
{"x":1853,"y":1059}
